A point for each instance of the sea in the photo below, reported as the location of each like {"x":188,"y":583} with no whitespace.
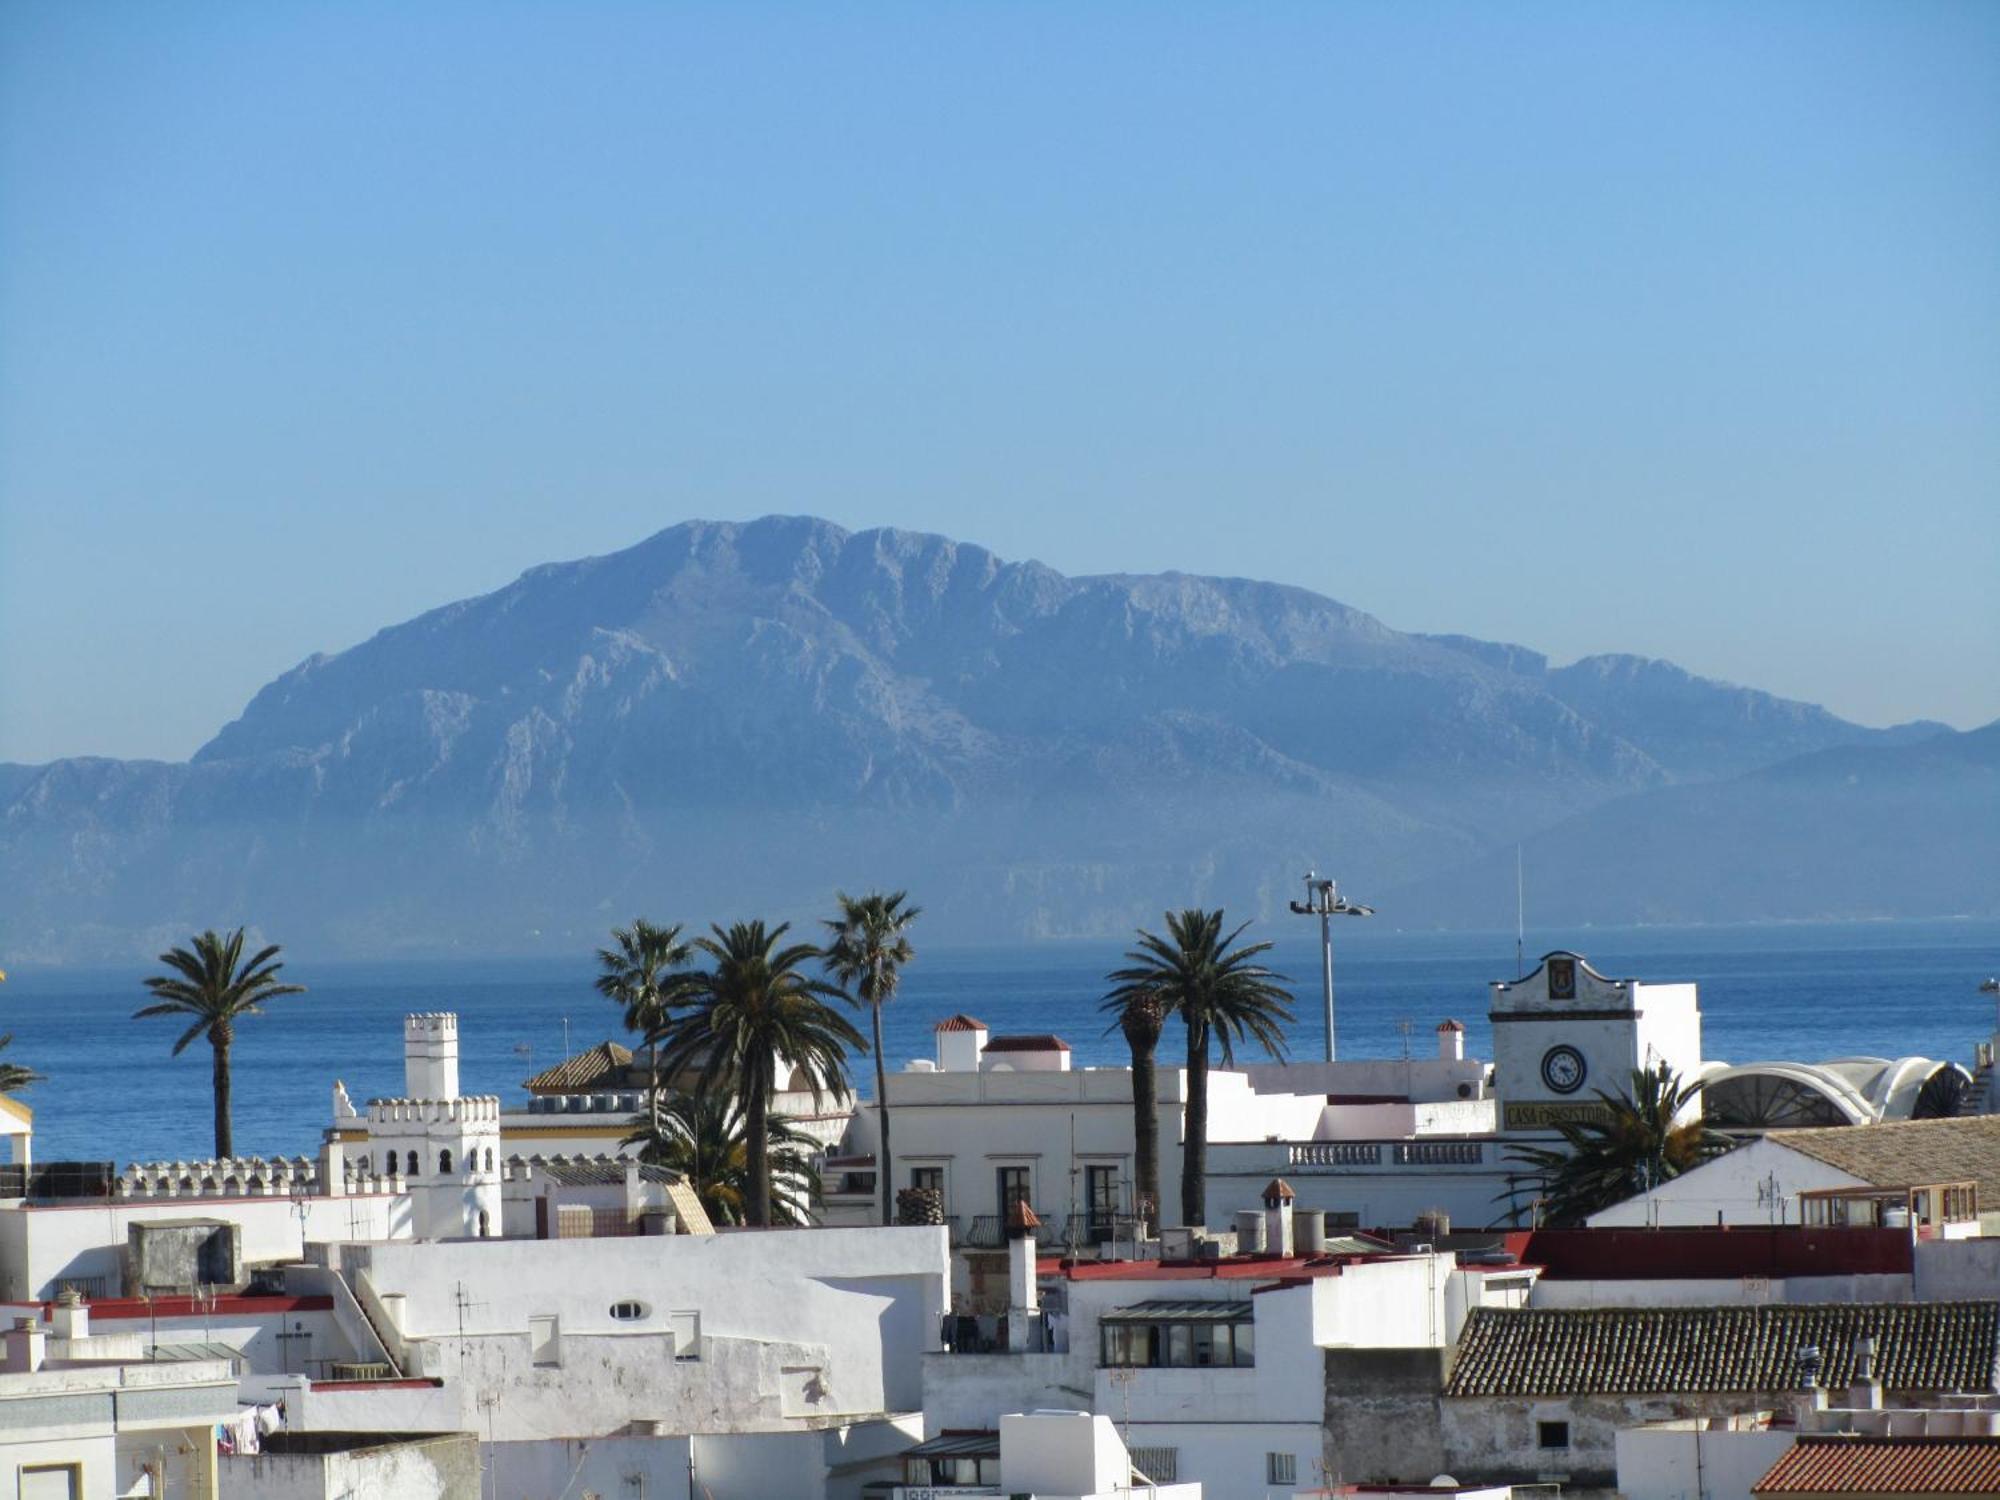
{"x":112,"y":1090}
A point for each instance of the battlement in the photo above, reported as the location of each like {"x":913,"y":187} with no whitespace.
{"x":430,"y":1023}
{"x":467,"y":1109}
{"x":248,"y":1177}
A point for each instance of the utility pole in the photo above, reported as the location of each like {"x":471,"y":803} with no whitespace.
{"x":1323,"y":900}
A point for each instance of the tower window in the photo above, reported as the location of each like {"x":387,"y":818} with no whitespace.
{"x":413,"y":1164}
{"x":444,"y":1162}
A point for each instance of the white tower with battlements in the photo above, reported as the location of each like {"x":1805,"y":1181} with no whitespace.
{"x":446,"y":1145}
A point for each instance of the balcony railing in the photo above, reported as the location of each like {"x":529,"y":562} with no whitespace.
{"x":1339,"y":1154}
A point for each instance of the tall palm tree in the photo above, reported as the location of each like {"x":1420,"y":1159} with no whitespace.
{"x":1633,"y":1146}
{"x":217,"y":987}
{"x":1139,"y":1010}
{"x":871,"y":943}
{"x":1223,"y":997}
{"x":13,"y":1076}
{"x":753,"y":1010}
{"x":643,"y":975}
{"x":703,"y":1137}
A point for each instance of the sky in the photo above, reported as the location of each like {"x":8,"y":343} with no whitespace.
{"x":1671,"y":329}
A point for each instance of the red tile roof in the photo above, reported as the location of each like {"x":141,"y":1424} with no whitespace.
{"x":960,"y":1022}
{"x":1027,"y":1044}
{"x":1838,"y":1464}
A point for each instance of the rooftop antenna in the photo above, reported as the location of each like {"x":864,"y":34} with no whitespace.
{"x":1520,"y":917}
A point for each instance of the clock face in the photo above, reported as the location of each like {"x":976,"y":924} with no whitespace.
{"x":1563,"y":1069}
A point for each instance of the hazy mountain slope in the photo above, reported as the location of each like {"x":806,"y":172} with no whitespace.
{"x":731,"y":718}
{"x":1694,"y":727}
{"x":1899,"y":830}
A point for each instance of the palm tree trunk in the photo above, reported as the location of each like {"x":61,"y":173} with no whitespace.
{"x":219,"y":1038}
{"x":885,"y":1165}
{"x":757,"y":1144}
{"x":1194,"y":1130}
{"x":1146,"y":1135}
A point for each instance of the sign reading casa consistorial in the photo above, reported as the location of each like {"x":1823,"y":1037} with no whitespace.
{"x":1565,"y":1031}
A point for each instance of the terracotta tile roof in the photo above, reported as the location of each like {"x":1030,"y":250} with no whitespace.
{"x":1907,"y":1153}
{"x":1027,"y":1044}
{"x":607,"y":1062}
{"x":1845,"y":1465}
{"x":960,"y":1022}
{"x":1921,"y":1346}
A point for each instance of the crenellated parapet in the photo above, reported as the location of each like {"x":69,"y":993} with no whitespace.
{"x":466,"y":1109}
{"x":248,"y":1177}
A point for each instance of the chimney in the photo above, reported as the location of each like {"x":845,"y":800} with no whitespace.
{"x":71,"y":1318}
{"x":1810,"y":1399}
{"x":1865,"y":1393}
{"x":27,"y":1347}
{"x":1451,"y":1041}
{"x":1278,"y":1197}
{"x":1023,"y":1295}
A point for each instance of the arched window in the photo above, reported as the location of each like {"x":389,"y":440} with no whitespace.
{"x":413,"y":1164}
{"x":485,"y":1224}
{"x":444,"y":1162}
{"x":489,"y":1158}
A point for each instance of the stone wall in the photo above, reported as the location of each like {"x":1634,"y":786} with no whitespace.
{"x":1382,"y":1418}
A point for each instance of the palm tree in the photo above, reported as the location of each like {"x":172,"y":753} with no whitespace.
{"x":13,"y":1076}
{"x":1633,"y":1146}
{"x":870,"y":945}
{"x":215,"y":986}
{"x":643,"y":975}
{"x":1141,"y":1013}
{"x":1222,"y":996}
{"x":754,"y":1010}
{"x":702,"y":1137}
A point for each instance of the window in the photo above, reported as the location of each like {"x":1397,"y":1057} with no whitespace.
{"x":1014,"y":1188}
{"x":52,"y":1482}
{"x":444,"y":1162}
{"x":1177,"y":1344}
{"x":489,"y":1158}
{"x":413,"y":1164}
{"x":628,"y":1311}
{"x":1281,"y":1468}
{"x":1552,"y":1435}
{"x":1159,"y":1465}
{"x":928,"y":1177}
{"x":1101,"y":1195}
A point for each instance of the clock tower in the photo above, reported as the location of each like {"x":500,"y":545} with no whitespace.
{"x":1565,"y":1031}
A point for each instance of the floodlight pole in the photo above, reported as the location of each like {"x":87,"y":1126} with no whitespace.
{"x":1323,"y":900}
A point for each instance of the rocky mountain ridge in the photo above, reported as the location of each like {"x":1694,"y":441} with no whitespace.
{"x":736,"y":717}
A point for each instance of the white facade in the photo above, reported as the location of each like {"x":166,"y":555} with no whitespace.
{"x":1228,"y":1427}
{"x":1565,"y":1031}
{"x":446,"y":1145}
{"x":98,"y":1431}
{"x":750,"y":1331}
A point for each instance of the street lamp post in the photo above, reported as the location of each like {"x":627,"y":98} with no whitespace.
{"x":1323,"y":900}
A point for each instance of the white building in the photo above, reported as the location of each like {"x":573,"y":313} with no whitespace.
{"x":791,"y":1358}
{"x":446,"y":1145}
{"x":1222,"y":1371}
{"x":1939,"y":1178}
{"x":77,"y":1425}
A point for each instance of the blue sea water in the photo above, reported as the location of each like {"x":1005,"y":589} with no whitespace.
{"x":112,"y":1092}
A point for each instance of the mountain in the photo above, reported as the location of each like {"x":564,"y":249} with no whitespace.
{"x":1899,"y":830}
{"x":728,"y":719}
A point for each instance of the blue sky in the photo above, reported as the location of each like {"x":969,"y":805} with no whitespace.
{"x":1670,"y":329}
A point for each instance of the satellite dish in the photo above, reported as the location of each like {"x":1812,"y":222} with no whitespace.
{"x":1445,"y":1482}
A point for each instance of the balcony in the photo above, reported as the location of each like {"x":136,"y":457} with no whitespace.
{"x":1349,"y":1156}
